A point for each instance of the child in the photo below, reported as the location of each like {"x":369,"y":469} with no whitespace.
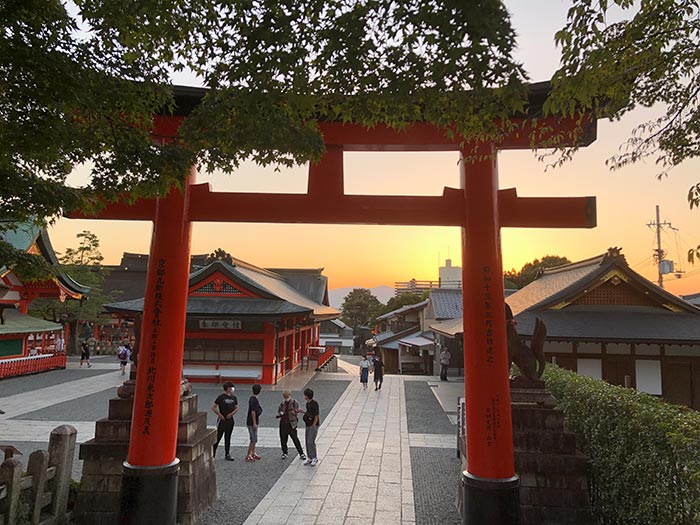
{"x":312,"y":420}
{"x":85,"y":354}
{"x":253,"y":420}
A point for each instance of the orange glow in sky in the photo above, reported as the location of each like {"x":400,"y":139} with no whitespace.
{"x":369,"y":256}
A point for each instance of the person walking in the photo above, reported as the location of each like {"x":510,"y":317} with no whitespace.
{"x":445,"y":357}
{"x":378,"y":373}
{"x":252,"y":422}
{"x":123,"y":354}
{"x":364,"y":371}
{"x":287,"y":413}
{"x":225,"y":407}
{"x":312,"y":419}
{"x":85,"y":354}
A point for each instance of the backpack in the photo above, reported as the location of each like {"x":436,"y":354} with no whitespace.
{"x":123,"y":354}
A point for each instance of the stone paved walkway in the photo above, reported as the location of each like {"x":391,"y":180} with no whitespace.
{"x":364,"y":471}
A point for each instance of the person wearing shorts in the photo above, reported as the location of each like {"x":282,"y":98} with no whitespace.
{"x":85,"y":354}
{"x":252,"y":421}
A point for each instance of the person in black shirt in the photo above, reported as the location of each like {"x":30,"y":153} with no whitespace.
{"x":225,"y":406}
{"x":85,"y":353}
{"x":378,"y":373}
{"x":252,"y":422}
{"x":312,"y":420}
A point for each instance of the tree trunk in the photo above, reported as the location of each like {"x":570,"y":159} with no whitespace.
{"x":72,"y":347}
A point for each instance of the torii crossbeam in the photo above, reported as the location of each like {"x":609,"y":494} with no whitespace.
{"x":149,"y":486}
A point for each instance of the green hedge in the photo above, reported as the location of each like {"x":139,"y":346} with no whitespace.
{"x":645,"y":453}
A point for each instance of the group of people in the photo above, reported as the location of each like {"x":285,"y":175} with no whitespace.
{"x":376,"y":365}
{"x":226,"y":406}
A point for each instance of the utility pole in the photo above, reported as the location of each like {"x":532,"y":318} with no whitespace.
{"x":659,"y":252}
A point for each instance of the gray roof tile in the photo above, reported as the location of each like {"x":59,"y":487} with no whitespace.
{"x":446,"y":303}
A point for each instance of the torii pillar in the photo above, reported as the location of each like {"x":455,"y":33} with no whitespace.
{"x":149,"y":483}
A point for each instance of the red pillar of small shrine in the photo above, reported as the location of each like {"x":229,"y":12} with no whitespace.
{"x":490,"y":484}
{"x":149,"y":481}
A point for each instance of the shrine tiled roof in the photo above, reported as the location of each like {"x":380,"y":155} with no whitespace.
{"x":559,"y":286}
{"x":276,"y":295}
{"x":25,"y":235}
{"x":446,"y":303}
{"x":403,"y":310}
{"x":220,"y":306}
{"x":19,"y":323}
{"x":646,"y":324}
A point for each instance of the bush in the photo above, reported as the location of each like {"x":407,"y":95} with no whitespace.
{"x":645,"y":453}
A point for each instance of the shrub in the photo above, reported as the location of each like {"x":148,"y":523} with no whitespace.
{"x":644,"y":452}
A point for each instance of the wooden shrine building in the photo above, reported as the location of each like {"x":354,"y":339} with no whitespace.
{"x":606,"y":321}
{"x":29,"y":344}
{"x":246,"y":323}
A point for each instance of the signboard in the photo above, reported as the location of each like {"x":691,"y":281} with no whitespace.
{"x":220,"y":324}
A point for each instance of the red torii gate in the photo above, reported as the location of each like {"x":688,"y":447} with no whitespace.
{"x":149,"y":484}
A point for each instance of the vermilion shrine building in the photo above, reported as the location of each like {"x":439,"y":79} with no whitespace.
{"x":29,"y":344}
{"x":246,"y":323}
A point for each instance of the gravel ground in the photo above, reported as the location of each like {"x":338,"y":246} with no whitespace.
{"x":436,"y":473}
{"x":19,"y":385}
{"x":87,"y":408}
{"x":326,"y":393}
{"x":425,"y":415}
{"x":242,"y":484}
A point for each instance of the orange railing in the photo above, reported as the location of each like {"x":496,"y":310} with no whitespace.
{"x":20,"y":366}
{"x":321,"y":354}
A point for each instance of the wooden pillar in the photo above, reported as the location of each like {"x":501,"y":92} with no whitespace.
{"x":149,"y":482}
{"x":490,"y":484}
{"x":269,"y":342}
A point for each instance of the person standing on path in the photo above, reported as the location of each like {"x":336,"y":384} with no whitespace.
{"x":123,"y":354}
{"x":225,"y":407}
{"x":85,"y":354}
{"x":364,"y":371}
{"x":312,"y":419}
{"x":252,"y":422}
{"x":378,"y":373}
{"x":287,"y":413}
{"x":445,"y":357}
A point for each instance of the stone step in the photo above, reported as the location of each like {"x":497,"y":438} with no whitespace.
{"x":555,"y":480}
{"x":121,"y":409}
{"x":544,"y":515}
{"x":531,"y":416}
{"x":526,"y":395}
{"x":118,"y":450}
{"x":544,"y":441}
{"x":119,"y":430}
{"x":528,"y":462}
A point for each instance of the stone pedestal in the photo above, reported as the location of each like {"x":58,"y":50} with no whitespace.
{"x":100,"y":485}
{"x":553,"y":475}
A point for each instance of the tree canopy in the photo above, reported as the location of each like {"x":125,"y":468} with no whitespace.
{"x":359,"y":307}
{"x":531,"y":270}
{"x":648,"y":58}
{"x":84,"y":264}
{"x":404,"y":299}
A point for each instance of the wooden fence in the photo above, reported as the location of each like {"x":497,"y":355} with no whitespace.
{"x":40,"y":496}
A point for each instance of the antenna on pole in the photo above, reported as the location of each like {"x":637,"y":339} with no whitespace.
{"x":663,"y":265}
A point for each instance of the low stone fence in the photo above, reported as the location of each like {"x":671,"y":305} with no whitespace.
{"x":40,"y":496}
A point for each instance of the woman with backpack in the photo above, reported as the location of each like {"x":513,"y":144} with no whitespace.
{"x":123,"y":354}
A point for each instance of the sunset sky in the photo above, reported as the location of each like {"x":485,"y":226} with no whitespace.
{"x":369,"y":256}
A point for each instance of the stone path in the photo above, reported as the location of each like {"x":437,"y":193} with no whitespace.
{"x":364,"y":472}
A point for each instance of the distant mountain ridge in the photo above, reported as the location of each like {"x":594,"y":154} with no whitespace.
{"x":337,"y":296}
